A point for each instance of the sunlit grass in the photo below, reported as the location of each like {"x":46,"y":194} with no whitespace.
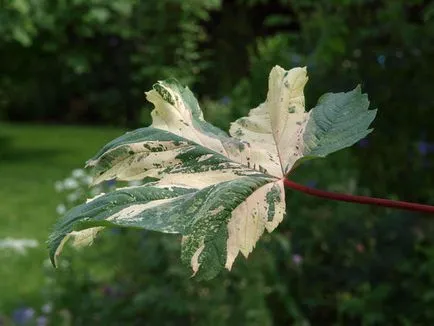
{"x":32,"y":158}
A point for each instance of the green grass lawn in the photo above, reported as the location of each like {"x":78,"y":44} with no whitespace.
{"x":32,"y":158}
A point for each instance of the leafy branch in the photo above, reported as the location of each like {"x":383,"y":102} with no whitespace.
{"x":219,"y":192}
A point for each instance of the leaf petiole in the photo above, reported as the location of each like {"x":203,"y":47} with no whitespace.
{"x":359,"y":199}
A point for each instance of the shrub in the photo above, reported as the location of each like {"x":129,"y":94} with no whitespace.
{"x":88,"y":60}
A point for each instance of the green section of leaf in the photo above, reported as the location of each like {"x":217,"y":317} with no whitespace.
{"x":212,"y":258}
{"x":201,"y":216}
{"x":338,"y":121}
{"x":97,"y":212}
{"x":273,"y":197}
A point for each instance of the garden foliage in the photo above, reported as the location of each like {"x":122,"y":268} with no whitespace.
{"x":80,"y":60}
{"x":330,"y":263}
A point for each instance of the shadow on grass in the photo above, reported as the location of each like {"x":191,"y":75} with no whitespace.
{"x":5,"y":144}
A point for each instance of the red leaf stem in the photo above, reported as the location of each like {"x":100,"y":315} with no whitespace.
{"x":359,"y":199}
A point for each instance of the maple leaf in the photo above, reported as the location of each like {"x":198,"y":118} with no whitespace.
{"x":219,"y":192}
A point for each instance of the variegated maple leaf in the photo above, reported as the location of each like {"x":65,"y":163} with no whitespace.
{"x":219,"y":192}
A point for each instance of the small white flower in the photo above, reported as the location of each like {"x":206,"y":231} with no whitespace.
{"x":70,"y":183}
{"x":47,"y":263}
{"x":64,"y":264}
{"x":72,"y":197}
{"x":47,"y":308}
{"x":18,"y":245}
{"x":61,"y":209}
{"x":58,"y":185}
{"x":78,"y":173}
{"x":297,"y":259}
{"x":49,"y":281}
{"x":88,"y":180}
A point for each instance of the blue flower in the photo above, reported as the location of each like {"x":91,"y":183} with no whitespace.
{"x":47,"y":308}
{"x":111,"y":183}
{"x":225,"y":100}
{"x":311,"y":183}
{"x":425,"y":148}
{"x":296,"y":58}
{"x":363,"y":143}
{"x":42,"y":321}
{"x":22,"y":316}
{"x":108,"y":291}
{"x":381,"y":59}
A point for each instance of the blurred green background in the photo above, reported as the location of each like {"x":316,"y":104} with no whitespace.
{"x":73,"y":73}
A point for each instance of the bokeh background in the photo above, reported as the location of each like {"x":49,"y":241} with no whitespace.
{"x":72,"y":77}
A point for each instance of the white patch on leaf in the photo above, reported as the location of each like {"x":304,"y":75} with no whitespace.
{"x":18,"y":245}
{"x":204,"y":157}
{"x":143,"y":161}
{"x":195,"y":259}
{"x":201,"y":180}
{"x":80,"y":239}
{"x":275,"y":127}
{"x":95,"y":197}
{"x":249,"y":220}
{"x":85,"y":237}
{"x":131,"y":212}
